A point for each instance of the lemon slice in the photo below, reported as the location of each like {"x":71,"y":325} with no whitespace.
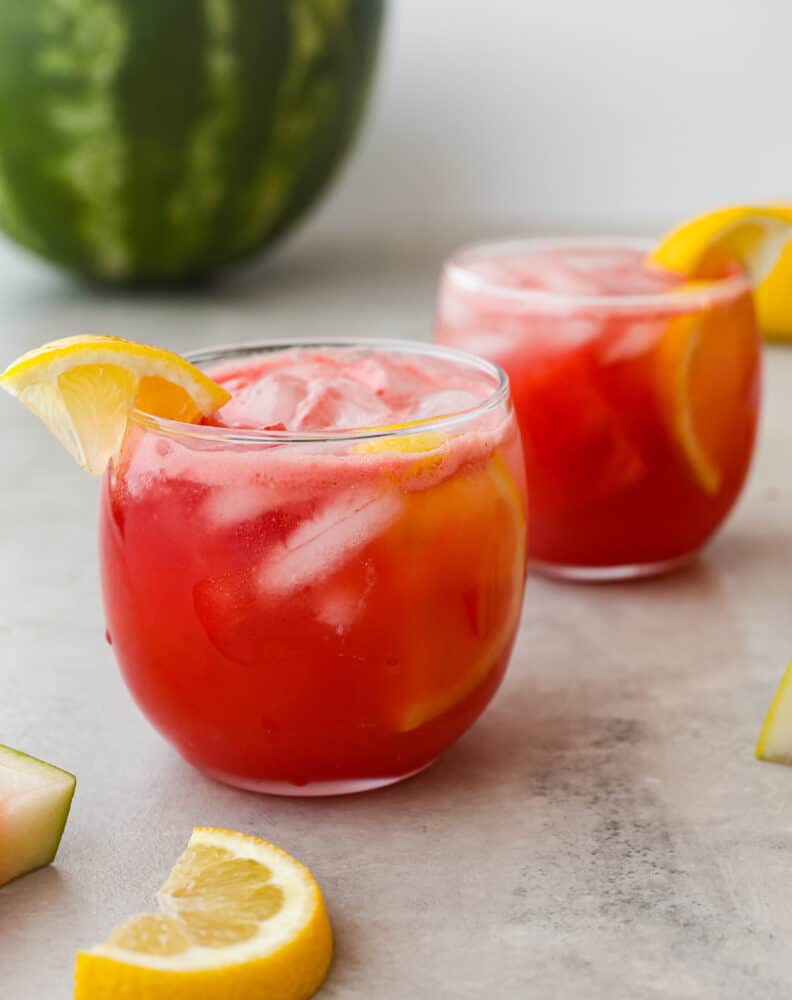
{"x":755,"y":236}
{"x":437,"y":684}
{"x":775,"y":739}
{"x":430,"y":449}
{"x":83,"y":388}
{"x":707,"y":370}
{"x":239,"y":919}
{"x":404,"y":443}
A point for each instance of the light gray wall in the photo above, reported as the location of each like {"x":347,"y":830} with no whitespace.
{"x":610,"y":114}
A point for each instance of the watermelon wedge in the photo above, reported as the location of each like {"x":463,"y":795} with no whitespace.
{"x":35,"y":798}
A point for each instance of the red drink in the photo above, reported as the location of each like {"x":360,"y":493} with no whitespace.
{"x":637,"y":396}
{"x":301,"y":606}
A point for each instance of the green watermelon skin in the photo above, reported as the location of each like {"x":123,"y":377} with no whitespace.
{"x":161,"y":140}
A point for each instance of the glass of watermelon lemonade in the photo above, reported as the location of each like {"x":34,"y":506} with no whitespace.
{"x":317,"y":590}
{"x":637,"y":395}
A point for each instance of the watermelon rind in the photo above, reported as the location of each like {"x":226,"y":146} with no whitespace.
{"x":35,"y":799}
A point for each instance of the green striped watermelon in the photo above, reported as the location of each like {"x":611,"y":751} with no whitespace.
{"x":159,"y":140}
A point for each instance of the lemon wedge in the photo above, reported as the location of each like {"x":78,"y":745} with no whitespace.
{"x":83,"y":389}
{"x":239,"y":919}
{"x":758,"y":237}
{"x":775,"y":739}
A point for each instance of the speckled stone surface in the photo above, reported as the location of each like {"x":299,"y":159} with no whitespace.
{"x":604,"y":832}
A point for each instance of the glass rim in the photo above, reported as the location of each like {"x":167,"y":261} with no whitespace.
{"x":707,"y":291}
{"x":242,"y":435}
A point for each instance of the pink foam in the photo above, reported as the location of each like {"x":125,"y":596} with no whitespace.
{"x":339,"y":389}
{"x":576,"y":271}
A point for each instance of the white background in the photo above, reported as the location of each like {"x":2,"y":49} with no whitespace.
{"x":560,"y":114}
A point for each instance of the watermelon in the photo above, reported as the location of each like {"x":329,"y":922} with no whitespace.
{"x":35,"y":798}
{"x":162,"y":140}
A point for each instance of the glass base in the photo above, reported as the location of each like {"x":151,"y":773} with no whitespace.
{"x":611,"y":574}
{"x":349,"y":786}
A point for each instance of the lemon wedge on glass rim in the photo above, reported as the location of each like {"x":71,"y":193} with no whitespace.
{"x":84,"y":387}
{"x":758,"y":237}
{"x":239,"y":919}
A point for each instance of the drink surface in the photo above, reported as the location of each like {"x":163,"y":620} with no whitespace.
{"x":573,"y":271}
{"x":637,"y":394}
{"x":310,"y":389}
{"x":310,"y":613}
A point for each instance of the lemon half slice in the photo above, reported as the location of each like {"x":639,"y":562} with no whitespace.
{"x":83,"y":388}
{"x":430,"y":449}
{"x":706,"y":376}
{"x":436,"y":683}
{"x":239,"y":919}
{"x":775,"y":739}
{"x":755,"y":236}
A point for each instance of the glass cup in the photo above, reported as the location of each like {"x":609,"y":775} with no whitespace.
{"x":308,"y":614}
{"x":637,"y":395}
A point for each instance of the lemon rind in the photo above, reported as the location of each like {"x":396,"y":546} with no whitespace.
{"x":47,"y":363}
{"x":679,"y":251}
{"x":303,"y":903}
{"x":778,"y":723}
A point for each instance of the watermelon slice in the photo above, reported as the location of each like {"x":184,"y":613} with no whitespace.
{"x":35,"y":798}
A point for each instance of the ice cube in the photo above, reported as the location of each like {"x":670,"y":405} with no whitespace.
{"x":338,"y":610}
{"x":339,"y":606}
{"x":340,"y":403}
{"x":229,"y":505}
{"x":371,"y":371}
{"x":445,"y":402}
{"x":552,"y":273}
{"x":637,"y":340}
{"x":403,"y":381}
{"x":585,"y":271}
{"x":577,"y":330}
{"x":321,"y":544}
{"x":274,"y":398}
{"x":487,"y":343}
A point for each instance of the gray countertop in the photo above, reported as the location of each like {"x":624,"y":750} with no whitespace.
{"x":603,"y":832}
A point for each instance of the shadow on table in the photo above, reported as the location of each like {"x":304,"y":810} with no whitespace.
{"x":579,"y":708}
